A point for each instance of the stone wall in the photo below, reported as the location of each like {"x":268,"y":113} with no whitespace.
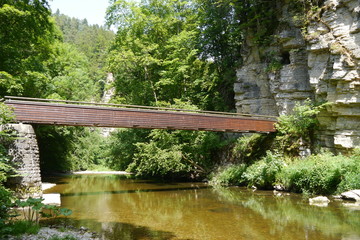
{"x":25,"y":155}
{"x":321,"y":63}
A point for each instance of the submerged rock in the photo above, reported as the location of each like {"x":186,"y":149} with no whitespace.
{"x":319,"y":201}
{"x":353,"y":195}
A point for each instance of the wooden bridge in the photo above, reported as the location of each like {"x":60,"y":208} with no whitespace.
{"x":73,"y":113}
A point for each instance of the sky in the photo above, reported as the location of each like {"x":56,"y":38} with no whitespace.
{"x":92,"y":10}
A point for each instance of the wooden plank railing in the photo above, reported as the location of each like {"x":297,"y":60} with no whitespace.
{"x":72,"y":113}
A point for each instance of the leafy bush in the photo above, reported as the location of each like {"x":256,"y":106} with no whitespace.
{"x":174,"y":153}
{"x":321,"y":174}
{"x":152,"y":160}
{"x":6,"y":116}
{"x":20,"y":227}
{"x":122,"y":147}
{"x":33,"y":209}
{"x":70,"y":148}
{"x":251,"y":147}
{"x":351,"y":178}
{"x":296,"y":129}
{"x":262,"y":174}
{"x":5,"y":204}
{"x":229,"y":175}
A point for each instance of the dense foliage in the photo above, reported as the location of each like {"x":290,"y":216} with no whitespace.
{"x":317,"y":174}
{"x":6,"y":168}
{"x":321,"y":173}
{"x":26,"y":35}
{"x":92,"y":41}
{"x":164,"y":153}
{"x":296,"y":130}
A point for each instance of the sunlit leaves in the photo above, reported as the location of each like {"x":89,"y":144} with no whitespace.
{"x":155,"y":57}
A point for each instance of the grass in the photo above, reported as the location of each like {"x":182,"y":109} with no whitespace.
{"x":19,"y":227}
{"x":229,"y":175}
{"x":318,"y":174}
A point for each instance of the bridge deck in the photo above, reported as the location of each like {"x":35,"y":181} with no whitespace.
{"x":58,"y":113}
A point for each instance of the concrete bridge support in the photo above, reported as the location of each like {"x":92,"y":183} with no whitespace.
{"x":24,"y":151}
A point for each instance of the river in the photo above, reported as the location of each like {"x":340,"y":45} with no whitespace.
{"x":123,"y":208}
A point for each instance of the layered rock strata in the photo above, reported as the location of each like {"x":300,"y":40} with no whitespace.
{"x":320,"y":63}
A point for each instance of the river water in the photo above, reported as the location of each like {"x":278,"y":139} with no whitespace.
{"x":127,"y":209}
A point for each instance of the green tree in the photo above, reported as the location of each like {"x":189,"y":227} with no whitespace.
{"x":26,"y":34}
{"x":154,"y":57}
{"x":296,"y":130}
{"x":6,"y":168}
{"x":70,"y":75}
{"x":91,"y":40}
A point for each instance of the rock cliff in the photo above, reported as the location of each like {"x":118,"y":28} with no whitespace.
{"x":318,"y":59}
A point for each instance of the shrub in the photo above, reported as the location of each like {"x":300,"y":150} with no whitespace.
{"x":175,"y":154}
{"x":262,"y":174}
{"x":296,"y":129}
{"x":20,"y":227}
{"x":229,"y":175}
{"x":154,"y":161}
{"x":351,"y":177}
{"x":33,"y":209}
{"x":251,"y":147}
{"x":6,"y":116}
{"x":5,"y":204}
{"x":320,"y":174}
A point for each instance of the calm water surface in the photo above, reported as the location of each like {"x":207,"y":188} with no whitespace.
{"x":121,"y":208}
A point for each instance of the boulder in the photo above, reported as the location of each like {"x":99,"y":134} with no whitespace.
{"x":319,"y":201}
{"x":353,"y":195}
{"x":52,"y":199}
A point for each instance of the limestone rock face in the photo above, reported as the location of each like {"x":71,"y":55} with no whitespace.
{"x":321,"y":64}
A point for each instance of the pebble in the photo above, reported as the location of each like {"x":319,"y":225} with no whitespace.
{"x":47,"y":233}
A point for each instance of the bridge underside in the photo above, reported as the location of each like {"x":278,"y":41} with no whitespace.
{"x":49,"y":113}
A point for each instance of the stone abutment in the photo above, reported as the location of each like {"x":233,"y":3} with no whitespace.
{"x":24,"y":152}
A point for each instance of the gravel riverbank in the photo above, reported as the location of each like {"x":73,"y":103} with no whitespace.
{"x":52,"y":232}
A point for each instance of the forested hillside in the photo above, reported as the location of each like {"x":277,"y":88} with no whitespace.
{"x":91,"y":40}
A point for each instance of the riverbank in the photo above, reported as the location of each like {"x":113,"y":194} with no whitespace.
{"x":322,"y":174}
{"x":102,"y":172}
{"x":58,"y":233}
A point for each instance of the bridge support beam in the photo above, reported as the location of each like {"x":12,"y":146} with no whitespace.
{"x":24,"y":151}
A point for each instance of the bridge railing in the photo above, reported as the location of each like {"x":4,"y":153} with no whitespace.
{"x":10,"y":98}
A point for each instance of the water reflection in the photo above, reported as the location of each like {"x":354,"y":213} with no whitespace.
{"x":334,"y":221}
{"x":135,"y":209}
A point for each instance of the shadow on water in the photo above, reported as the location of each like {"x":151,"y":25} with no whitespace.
{"x":114,"y":230}
{"x":132,"y":191}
